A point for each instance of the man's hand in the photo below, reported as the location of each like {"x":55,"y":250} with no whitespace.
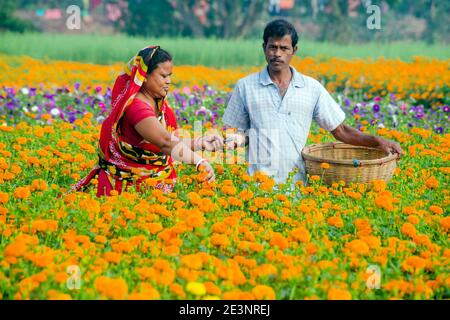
{"x":389,"y":146}
{"x":212,"y":143}
{"x":234,"y":140}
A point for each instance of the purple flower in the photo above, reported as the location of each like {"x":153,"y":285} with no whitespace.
{"x":219,"y":100}
{"x":98,"y":89}
{"x":446,"y":109}
{"x":419,"y":114}
{"x":355,"y":109}
{"x":377,"y":99}
{"x":77,"y":85}
{"x":347,"y":102}
{"x":376,"y":107}
{"x":439,"y":130}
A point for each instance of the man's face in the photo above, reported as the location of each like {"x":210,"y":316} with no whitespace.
{"x":279,"y":52}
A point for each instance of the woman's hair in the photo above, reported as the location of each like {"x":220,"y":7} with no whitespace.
{"x":278,"y":29}
{"x":159,"y":56}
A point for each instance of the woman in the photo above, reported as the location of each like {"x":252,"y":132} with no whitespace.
{"x":138,"y":142}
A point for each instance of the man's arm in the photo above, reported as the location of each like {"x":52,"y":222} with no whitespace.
{"x":355,"y":137}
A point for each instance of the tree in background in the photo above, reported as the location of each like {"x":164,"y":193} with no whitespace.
{"x":152,"y":18}
{"x":199,"y":18}
{"x":8,"y":21}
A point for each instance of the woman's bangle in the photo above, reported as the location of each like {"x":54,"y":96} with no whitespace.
{"x":199,"y":162}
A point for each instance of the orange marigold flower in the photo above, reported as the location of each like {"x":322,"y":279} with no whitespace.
{"x":15,"y":249}
{"x":408,"y":229}
{"x":246,"y":195}
{"x":100,"y":239}
{"x":413,"y":219}
{"x":384,"y":201}
{"x":4,"y":197}
{"x":22,"y":192}
{"x":279,"y":241}
{"x":445,"y":223}
{"x":178,"y":290}
{"x":358,"y":246}
{"x":432,"y":183}
{"x":414,"y":263}
{"x":219,"y":240}
{"x":379,"y":185}
{"x":39,"y":184}
{"x":436,"y":210}
{"x":338,"y":294}
{"x":263,"y":292}
{"x":335,"y":222}
{"x":113,"y":257}
{"x":111,"y":288}
{"x":325,"y":165}
{"x":301,"y":234}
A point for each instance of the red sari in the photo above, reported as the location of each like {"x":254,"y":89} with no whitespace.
{"x":120,"y":163}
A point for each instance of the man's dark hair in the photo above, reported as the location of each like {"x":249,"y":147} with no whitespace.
{"x":278,"y":29}
{"x":160,"y":56}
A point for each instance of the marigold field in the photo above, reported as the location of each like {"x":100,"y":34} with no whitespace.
{"x":241,"y":237}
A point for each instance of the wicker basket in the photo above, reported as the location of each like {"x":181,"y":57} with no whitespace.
{"x":352,"y":164}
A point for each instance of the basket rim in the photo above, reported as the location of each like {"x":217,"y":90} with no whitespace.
{"x":341,"y":145}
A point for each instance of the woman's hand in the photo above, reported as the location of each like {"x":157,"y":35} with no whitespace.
{"x":212,"y":143}
{"x":205,"y":166}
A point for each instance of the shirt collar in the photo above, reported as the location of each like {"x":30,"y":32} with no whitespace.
{"x":297,"y":79}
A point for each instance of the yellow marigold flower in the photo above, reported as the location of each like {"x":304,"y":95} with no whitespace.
{"x":211,"y":298}
{"x":315,"y":178}
{"x":196,"y":288}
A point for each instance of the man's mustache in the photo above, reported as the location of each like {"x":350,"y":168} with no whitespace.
{"x":275,"y":60}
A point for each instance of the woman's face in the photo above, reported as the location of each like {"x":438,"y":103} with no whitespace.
{"x":157,"y":84}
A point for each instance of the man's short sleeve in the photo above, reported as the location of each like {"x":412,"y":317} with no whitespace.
{"x":236,"y":114}
{"x":327,"y":113}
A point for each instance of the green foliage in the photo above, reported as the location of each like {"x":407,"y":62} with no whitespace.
{"x":218,"y":53}
{"x":8,"y":21}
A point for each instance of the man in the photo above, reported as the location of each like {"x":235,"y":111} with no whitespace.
{"x":273,"y":111}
